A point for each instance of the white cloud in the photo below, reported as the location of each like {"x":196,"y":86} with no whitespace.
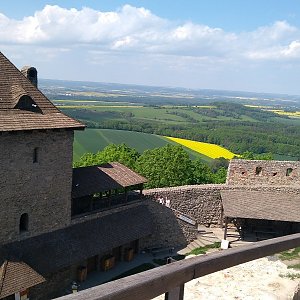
{"x":280,"y":41}
{"x":277,"y":32}
{"x":136,"y":45}
{"x":56,"y":25}
{"x":139,"y":30}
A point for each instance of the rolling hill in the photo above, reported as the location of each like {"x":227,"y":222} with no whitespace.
{"x":93,"y":140}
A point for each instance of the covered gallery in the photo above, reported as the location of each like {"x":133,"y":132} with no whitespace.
{"x":264,"y":214}
{"x":102,"y":187}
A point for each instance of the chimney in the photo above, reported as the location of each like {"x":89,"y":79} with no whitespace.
{"x":31,"y":74}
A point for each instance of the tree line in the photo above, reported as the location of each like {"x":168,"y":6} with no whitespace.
{"x":266,"y":132}
{"x":165,"y":166}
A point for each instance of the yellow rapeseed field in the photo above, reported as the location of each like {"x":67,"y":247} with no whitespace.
{"x":295,"y":114}
{"x":210,"y":150}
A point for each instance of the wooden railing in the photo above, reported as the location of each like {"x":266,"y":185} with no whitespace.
{"x":152,"y":283}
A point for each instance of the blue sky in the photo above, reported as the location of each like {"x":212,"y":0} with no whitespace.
{"x":233,"y":45}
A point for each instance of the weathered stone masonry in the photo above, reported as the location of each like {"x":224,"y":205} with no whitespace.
{"x":41,"y":189}
{"x":203,"y":202}
{"x":261,"y":172}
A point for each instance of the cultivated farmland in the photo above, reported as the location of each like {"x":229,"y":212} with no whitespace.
{"x":210,"y":150}
{"x":93,"y":140}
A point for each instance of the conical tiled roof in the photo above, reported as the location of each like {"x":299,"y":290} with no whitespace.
{"x":13,"y":86}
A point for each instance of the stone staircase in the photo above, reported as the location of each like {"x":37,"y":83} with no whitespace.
{"x":205,"y":237}
{"x":208,"y":236}
{"x":233,"y":236}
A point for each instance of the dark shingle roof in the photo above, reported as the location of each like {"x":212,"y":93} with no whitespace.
{"x":58,"y":249}
{"x":13,"y":85}
{"x":16,"y":276}
{"x":261,"y":205}
{"x":90,"y":180}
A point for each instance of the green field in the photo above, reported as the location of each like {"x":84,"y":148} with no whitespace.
{"x":98,"y":111}
{"x":93,"y":140}
{"x":230,"y":125}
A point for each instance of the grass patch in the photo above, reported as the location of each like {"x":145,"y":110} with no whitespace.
{"x":203,"y":250}
{"x":297,"y":267}
{"x":290,"y":276}
{"x":290,"y":254}
{"x":138,"y":269}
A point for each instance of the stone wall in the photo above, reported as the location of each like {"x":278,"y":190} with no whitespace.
{"x":168,"y":230}
{"x":200,"y":202}
{"x":263,"y":172}
{"x":40,"y":189}
{"x":56,"y":285}
{"x":203,"y":202}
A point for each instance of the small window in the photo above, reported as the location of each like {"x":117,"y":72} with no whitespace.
{"x":258,"y":170}
{"x":26,"y":103}
{"x":289,"y":171}
{"x":35,"y":155}
{"x":23,"y":226}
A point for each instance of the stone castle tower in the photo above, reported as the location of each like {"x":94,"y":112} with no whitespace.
{"x":35,"y":157}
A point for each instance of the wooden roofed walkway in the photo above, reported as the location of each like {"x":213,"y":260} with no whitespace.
{"x":97,"y":188}
{"x":152,"y":283}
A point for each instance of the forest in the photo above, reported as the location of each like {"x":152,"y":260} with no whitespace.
{"x":164,"y":166}
{"x":233,"y":126}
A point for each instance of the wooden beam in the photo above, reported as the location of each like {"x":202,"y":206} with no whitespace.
{"x":222,"y":217}
{"x":126,"y":194}
{"x":225,"y":229}
{"x":141,"y":189}
{"x":149,"y":284}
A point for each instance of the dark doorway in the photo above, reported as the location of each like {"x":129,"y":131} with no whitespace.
{"x":92,"y":264}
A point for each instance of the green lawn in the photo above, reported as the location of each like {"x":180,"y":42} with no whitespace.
{"x":93,"y":140}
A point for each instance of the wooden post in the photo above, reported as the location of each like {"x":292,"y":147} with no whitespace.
{"x":141,"y":190}
{"x":225,"y":229}
{"x":126,"y":195}
{"x":176,"y":293}
{"x":222,"y":217}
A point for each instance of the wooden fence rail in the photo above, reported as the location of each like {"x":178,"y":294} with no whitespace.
{"x":152,"y":283}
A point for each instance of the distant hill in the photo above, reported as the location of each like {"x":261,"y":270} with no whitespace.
{"x":152,"y":95}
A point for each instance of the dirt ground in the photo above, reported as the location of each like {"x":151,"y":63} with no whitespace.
{"x":263,"y":279}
